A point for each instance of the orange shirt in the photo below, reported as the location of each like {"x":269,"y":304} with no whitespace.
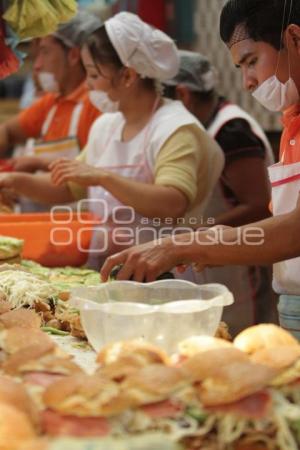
{"x":32,"y":119}
{"x":290,"y":139}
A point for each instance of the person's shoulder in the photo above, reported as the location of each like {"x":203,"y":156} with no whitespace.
{"x":42,"y":103}
{"x":106,"y":122}
{"x":174,"y":112}
{"x":47,"y":99}
{"x":32,"y":117}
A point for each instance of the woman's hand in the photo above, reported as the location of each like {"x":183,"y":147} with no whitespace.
{"x":65,"y":170}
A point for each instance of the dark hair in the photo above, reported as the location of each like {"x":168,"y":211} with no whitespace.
{"x":103,"y":52}
{"x":205,"y":97}
{"x":263,"y":19}
{"x":200,"y":97}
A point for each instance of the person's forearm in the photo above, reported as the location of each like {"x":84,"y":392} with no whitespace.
{"x":265,"y":242}
{"x":43,"y":163}
{"x":149,"y":200}
{"x":242,"y":214}
{"x":5,"y":143}
{"x":39,"y":188}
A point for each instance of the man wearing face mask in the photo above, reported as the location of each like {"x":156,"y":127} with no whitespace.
{"x":57,"y":124}
{"x":263,"y":37}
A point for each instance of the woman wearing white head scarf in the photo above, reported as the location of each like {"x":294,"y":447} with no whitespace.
{"x":149,"y":153}
{"x":148,"y":159}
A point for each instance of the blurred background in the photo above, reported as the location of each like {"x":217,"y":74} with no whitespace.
{"x":193,"y":24}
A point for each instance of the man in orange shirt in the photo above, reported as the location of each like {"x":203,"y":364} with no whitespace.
{"x":58,"y":123}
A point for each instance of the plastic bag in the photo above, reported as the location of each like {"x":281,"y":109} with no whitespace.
{"x":66,"y":9}
{"x":37,"y":18}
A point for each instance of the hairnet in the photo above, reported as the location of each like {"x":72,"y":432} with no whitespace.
{"x":195,"y":72}
{"x":76,"y":31}
{"x":148,"y":50}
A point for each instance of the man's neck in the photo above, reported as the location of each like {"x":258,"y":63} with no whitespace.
{"x":74,"y":81}
{"x":207,"y":111}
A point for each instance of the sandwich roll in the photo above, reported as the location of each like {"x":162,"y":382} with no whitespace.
{"x":18,"y":338}
{"x":208,"y":363}
{"x":24,"y":318}
{"x":280,"y":357}
{"x":153,"y":383}
{"x":234,"y":382}
{"x":147,"y":353}
{"x":15,"y":394}
{"x":10,"y":247}
{"x":123,"y":367}
{"x":15,"y":428}
{"x":197,"y":344}
{"x":82,"y":395}
{"x":262,"y":336}
{"x":4,"y":304}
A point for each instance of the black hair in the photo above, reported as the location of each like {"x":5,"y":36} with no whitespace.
{"x":169,"y":91}
{"x":205,"y":97}
{"x":103,"y":52}
{"x":264,"y":20}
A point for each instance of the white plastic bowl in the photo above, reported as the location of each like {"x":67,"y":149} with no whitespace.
{"x":163,"y":312}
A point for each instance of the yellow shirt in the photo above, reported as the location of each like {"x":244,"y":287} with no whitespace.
{"x":182,"y":162}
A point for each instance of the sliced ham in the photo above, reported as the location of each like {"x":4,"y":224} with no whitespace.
{"x":56,"y":424}
{"x":43,"y":379}
{"x":162,"y":409}
{"x":294,"y":383}
{"x":255,"y":406}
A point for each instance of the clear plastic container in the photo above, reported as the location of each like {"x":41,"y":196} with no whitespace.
{"x":163,"y":312}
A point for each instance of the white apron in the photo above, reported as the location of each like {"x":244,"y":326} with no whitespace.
{"x":244,"y":282}
{"x":60,"y":148}
{"x":134,"y":159}
{"x":285,"y":181}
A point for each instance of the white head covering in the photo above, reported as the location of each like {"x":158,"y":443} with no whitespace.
{"x":148,"y":50}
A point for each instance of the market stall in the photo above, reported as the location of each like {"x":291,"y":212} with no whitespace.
{"x":144,"y":385}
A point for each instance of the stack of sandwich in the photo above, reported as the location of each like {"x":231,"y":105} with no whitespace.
{"x":21,"y":289}
{"x":214,"y":395}
{"x":10,"y":249}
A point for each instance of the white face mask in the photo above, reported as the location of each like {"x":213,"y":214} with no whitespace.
{"x":48,"y":82}
{"x":276,"y":96}
{"x":102,"y":102}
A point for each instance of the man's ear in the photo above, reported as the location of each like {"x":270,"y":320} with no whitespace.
{"x":292,"y":35}
{"x":183,"y":93}
{"x":74,"y":56}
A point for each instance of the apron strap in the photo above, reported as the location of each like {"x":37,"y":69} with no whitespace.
{"x":73,"y":124}
{"x":48,"y":121}
{"x":286,"y":180}
{"x":75,"y":120}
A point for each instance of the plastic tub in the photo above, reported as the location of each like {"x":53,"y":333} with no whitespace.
{"x":163,"y":312}
{"x":52,"y":239}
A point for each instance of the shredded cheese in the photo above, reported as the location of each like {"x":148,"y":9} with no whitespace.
{"x":24,"y":289}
